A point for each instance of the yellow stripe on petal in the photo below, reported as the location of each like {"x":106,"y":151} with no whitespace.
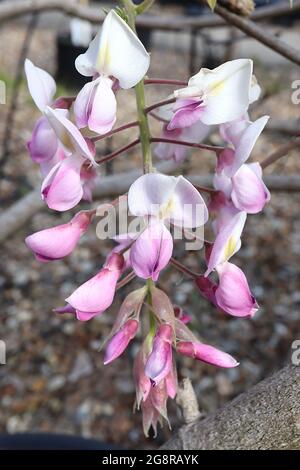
{"x":217,"y":87}
{"x":230,"y":248}
{"x":103,"y":60}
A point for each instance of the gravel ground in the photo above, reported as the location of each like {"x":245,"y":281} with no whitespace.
{"x":54,"y":378}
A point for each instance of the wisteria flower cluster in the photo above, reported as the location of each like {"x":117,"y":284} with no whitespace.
{"x":63,"y":143}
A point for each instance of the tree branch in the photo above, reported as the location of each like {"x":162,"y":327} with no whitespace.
{"x":11,"y":10}
{"x":265,"y":417}
{"x":256,"y":32}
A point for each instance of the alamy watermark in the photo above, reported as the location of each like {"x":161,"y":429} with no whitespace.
{"x":2,"y":352}
{"x":296,"y":352}
{"x":295,"y":97}
{"x":116,"y":220}
{"x":2,"y":92}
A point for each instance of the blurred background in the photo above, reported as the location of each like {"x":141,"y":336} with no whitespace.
{"x":54,"y":379}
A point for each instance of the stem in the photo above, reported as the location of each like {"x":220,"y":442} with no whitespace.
{"x":114,"y":131}
{"x":162,"y":81}
{"x":213,"y":148}
{"x":152,"y":322}
{"x":280,"y":152}
{"x":182,"y":268}
{"x":140,"y":100}
{"x":121,"y":150}
{"x":159,"y":104}
{"x":144,"y":6}
{"x":206,"y":189}
{"x":125,"y":280}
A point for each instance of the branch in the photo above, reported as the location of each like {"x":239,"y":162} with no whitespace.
{"x":11,"y":10}
{"x":213,"y":148}
{"x":265,"y":417}
{"x":256,"y":32}
{"x":281,"y":152}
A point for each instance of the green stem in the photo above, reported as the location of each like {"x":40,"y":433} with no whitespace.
{"x":152,"y":321}
{"x":140,"y":100}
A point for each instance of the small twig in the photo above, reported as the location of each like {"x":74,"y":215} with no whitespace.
{"x":187,"y":400}
{"x":281,"y":152}
{"x":159,"y":104}
{"x":182,"y":268}
{"x":125,"y":280}
{"x":260,"y":34}
{"x":213,"y":148}
{"x":118,"y":152}
{"x":161,"y":81}
{"x":115,"y":131}
{"x":206,"y":189}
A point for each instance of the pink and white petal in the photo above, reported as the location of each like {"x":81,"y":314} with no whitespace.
{"x":68,"y":133}
{"x":246,"y":144}
{"x":233,"y":295}
{"x":187,"y":116}
{"x":187,"y":207}
{"x":41,"y":85}
{"x":225,"y":90}
{"x":227,"y":242}
{"x":43,"y":143}
{"x":96,"y":294}
{"x":82,"y":104}
{"x":249,"y":193}
{"x":149,"y":192}
{"x":121,"y":53}
{"x":86,"y":64}
{"x":103,"y":107}
{"x":152,"y":251}
{"x":62,"y":188}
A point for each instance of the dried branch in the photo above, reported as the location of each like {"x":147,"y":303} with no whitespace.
{"x":251,"y":29}
{"x":12,"y":10}
{"x":265,"y":417}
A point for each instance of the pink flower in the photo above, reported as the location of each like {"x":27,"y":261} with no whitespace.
{"x":152,"y":251}
{"x":115,"y":54}
{"x":160,"y":198}
{"x":206,"y":353}
{"x":119,"y":342}
{"x":214,"y":96}
{"x":57,"y":242}
{"x":241,"y":183}
{"x":64,"y":185}
{"x":233,"y":295}
{"x":249,"y":193}
{"x":97,"y":294}
{"x":159,"y":362}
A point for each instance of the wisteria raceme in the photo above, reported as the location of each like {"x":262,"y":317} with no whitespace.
{"x":214,"y":102}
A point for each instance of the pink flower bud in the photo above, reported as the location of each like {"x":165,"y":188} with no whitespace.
{"x":159,"y":362}
{"x":120,"y":341}
{"x":43,"y":143}
{"x":57,"y":242}
{"x":142,"y":382}
{"x":152,"y":251}
{"x":206,"y":353}
{"x":97,"y":294}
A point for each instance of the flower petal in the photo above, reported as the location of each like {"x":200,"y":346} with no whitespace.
{"x":103,"y":109}
{"x":42,"y":86}
{"x":249,"y":192}
{"x":227,"y":242}
{"x":246,"y":143}
{"x":62,"y":188}
{"x":68,"y":133}
{"x":152,"y":251}
{"x":233,"y":295}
